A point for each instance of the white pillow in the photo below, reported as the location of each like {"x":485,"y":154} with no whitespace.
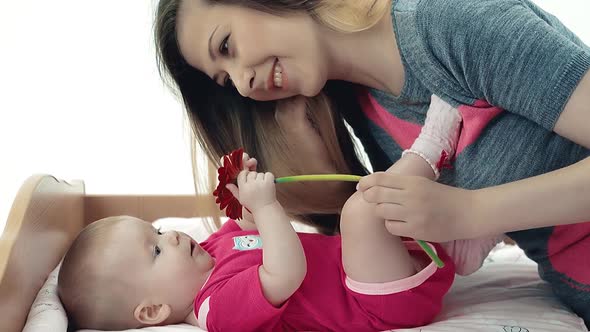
{"x":47,"y":313}
{"x":505,"y":295}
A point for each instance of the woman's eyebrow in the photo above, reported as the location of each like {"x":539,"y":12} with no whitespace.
{"x":211,"y":54}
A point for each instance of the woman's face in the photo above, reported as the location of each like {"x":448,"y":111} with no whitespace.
{"x":266,"y":57}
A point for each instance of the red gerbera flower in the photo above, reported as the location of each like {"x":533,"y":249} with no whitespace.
{"x":228,"y":173}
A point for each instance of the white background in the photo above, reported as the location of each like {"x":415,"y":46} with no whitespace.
{"x":80,"y":97}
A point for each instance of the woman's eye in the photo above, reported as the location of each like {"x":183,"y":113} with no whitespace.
{"x":224,"y":47}
{"x":157,"y":251}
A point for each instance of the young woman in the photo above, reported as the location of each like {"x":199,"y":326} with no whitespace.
{"x":517,"y":75}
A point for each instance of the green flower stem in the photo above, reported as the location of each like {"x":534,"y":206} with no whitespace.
{"x":319,"y":177}
{"x":431,"y":253}
{"x":353,"y":178}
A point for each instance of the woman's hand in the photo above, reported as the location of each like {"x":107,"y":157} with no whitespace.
{"x":420,"y":208}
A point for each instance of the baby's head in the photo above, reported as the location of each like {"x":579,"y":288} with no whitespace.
{"x":121,"y":273}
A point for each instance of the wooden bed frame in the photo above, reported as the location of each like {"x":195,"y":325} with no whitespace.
{"x":45,"y":217}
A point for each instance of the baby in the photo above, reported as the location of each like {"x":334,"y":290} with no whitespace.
{"x":258,"y":274}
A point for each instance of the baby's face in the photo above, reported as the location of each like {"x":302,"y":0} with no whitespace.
{"x":168,"y":268}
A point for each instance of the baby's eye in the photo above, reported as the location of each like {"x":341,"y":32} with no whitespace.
{"x":157,"y":251}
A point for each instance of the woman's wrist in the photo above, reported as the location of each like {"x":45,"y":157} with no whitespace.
{"x":550,"y":199}
{"x":476,"y":224}
{"x":412,"y":164}
{"x":470,"y":220}
{"x":484,"y":218}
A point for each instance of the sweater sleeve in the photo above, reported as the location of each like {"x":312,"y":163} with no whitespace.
{"x":509,"y":53}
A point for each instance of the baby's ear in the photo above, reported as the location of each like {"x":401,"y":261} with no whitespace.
{"x":151,"y":314}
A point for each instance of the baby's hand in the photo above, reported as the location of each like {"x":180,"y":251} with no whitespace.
{"x":247,"y":162}
{"x":254,"y":190}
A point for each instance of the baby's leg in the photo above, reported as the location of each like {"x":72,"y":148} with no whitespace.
{"x":469,"y":255}
{"x":369,"y":252}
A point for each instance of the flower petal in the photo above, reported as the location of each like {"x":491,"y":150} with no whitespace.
{"x":228,"y":173}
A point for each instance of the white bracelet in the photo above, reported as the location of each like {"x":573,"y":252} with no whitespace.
{"x":429,"y":162}
{"x":439,"y":136}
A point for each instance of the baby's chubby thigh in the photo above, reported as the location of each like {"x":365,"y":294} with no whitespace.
{"x":369,"y":252}
{"x":358,"y":215}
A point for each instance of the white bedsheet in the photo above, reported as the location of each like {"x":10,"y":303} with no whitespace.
{"x":505,"y":295}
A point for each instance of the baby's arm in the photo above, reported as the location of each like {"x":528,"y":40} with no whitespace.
{"x":246,"y":223}
{"x":284,"y":265}
{"x":439,"y":133}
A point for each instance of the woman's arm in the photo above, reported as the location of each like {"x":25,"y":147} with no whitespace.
{"x":423,"y":209}
{"x":545,"y":81}
{"x":436,"y":212}
{"x":436,"y":144}
{"x":574,"y":121}
{"x":555,"y":198}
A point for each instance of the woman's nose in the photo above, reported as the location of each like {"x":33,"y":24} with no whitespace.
{"x":243,"y":80}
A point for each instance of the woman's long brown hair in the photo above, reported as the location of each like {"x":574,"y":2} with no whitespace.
{"x":222,"y":120}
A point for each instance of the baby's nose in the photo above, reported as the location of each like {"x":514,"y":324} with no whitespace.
{"x":173,"y":237}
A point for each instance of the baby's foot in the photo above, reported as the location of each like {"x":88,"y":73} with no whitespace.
{"x":469,"y":255}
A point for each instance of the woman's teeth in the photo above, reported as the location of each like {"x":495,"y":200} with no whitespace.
{"x":278,"y":75}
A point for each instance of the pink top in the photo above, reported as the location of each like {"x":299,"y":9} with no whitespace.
{"x":232,"y":297}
